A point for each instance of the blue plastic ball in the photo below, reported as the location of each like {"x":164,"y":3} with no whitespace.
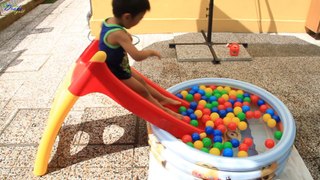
{"x":215,"y":109}
{"x":239,"y":100}
{"x":209,"y":130}
{"x":204,"y":98}
{"x":245,"y":108}
{"x":217,"y":139}
{"x":195,"y":136}
{"x":232,"y":101}
{"x":179,"y":96}
{"x":190,"y":111}
{"x":184,"y":113}
{"x":235,"y":142}
{"x":202,"y":92}
{"x":227,"y":152}
{"x":217,"y":132}
{"x":192,"y":92}
{"x":246,"y":95}
{"x":212,"y":98}
{"x":222,"y":113}
{"x":193,"y":105}
{"x":229,"y":109}
{"x":260,"y":102}
{"x":195,"y":88}
{"x":270,"y":111}
{"x":276,"y":117}
{"x":193,"y":116}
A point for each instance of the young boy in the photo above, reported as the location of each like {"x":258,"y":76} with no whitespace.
{"x":117,"y":42}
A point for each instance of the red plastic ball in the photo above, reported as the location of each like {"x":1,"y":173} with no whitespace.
{"x":246,"y":103}
{"x":222,"y":128}
{"x":254,"y":99}
{"x":249,"y":114}
{"x":221,"y":107}
{"x":263,"y":108}
{"x":212,"y":86}
{"x":186,"y":119}
{"x":269,"y":143}
{"x":221,"y":100}
{"x":228,"y":104}
{"x":232,"y":126}
{"x":197,"y":96}
{"x":248,"y":141}
{"x":200,"y":107}
{"x":206,"y":111}
{"x":205,"y":118}
{"x":218,"y":122}
{"x":234,"y":97}
{"x":243,"y":147}
{"x":237,"y":104}
{"x":186,"y":138}
{"x":257,"y":114}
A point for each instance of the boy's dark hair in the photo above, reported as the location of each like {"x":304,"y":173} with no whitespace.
{"x":134,"y":7}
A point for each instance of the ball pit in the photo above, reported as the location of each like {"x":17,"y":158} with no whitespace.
{"x":216,"y":156}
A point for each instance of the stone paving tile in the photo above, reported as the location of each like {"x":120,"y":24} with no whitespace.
{"x":193,"y":53}
{"x":141,"y":156}
{"x":27,"y":63}
{"x":9,"y":156}
{"x":188,"y":38}
{"x":141,"y":173}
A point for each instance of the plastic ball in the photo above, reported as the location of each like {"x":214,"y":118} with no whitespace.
{"x":208,"y":90}
{"x":242,"y":154}
{"x":231,"y":101}
{"x":208,"y":106}
{"x":184,"y":93}
{"x":242,"y":126}
{"x":214,"y":116}
{"x":207,"y":142}
{"x":227,"y":88}
{"x":214,"y":109}
{"x":193,"y":105}
{"x":218,"y":145}
{"x":207,"y":94}
{"x":241,"y":116}
{"x":249,"y":114}
{"x":254,"y":99}
{"x":240,"y":96}
{"x":201,"y":92}
{"x":227,"y":152}
{"x":221,"y":100}
{"x":270,"y":111}
{"x":203,"y":135}
{"x":263,"y":108}
{"x":189,"y":97}
{"x":192,"y":92}
{"x":225,"y":96}
{"x":222,"y":128}
{"x":235,"y":120}
{"x":190,"y":144}
{"x":222,"y":113}
{"x":272,"y":123}
{"x":237,"y":110}
{"x":206,"y":150}
{"x":245,"y":109}
{"x":269,"y":143}
{"x":184,"y":113}
{"x":203,"y":87}
{"x":210,"y":123}
{"x":205,"y":98}
{"x":257,"y":114}
{"x":186,"y":138}
{"x":226,"y":120}
{"x":277,"y":135}
{"x":190,"y":111}
{"x":266,"y":117}
{"x":195,"y":136}
{"x":217,"y":139}
{"x":230,"y":115}
{"x":200,"y":106}
{"x":198,"y":144}
{"x":227,"y":145}
{"x":220,"y":88}
{"x":212,"y":98}
{"x":215,"y":151}
{"x":227,"y":104}
{"x":248,"y":141}
{"x":186,"y":119}
{"x":194,"y":123}
{"x":205,"y":118}
{"x":245,"y":103}
{"x":235,"y":142}
{"x":218,"y":122}
{"x":195,"y":88}
{"x":215,"y":103}
{"x":260,"y":102}
{"x":198,"y":113}
{"x":197,"y":96}
{"x":182,"y":109}
{"x":179,"y":96}
{"x":237,"y":104}
{"x":221,"y":107}
{"x":209,"y":130}
{"x":276,"y":117}
{"x":206,"y":111}
{"x":217,"y":94}
{"x":246,"y":99}
{"x":232,"y":92}
{"x":217,"y":132}
{"x":232,"y":126}
{"x":243,"y":147}
{"x":193,"y":116}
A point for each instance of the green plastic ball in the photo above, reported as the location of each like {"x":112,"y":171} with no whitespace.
{"x":241,"y":116}
{"x":189,"y":97}
{"x":182,"y":109}
{"x":205,"y":150}
{"x":240,"y":96}
{"x":190,"y":144}
{"x":208,"y":94}
{"x":227,"y":145}
{"x":224,"y":91}
{"x":247,"y":99}
{"x":277,"y":135}
{"x":215,"y":104}
{"x":194,"y":123}
{"x":218,"y":145}
{"x":207,"y":142}
{"x":217,"y":95}
{"x":209,"y":106}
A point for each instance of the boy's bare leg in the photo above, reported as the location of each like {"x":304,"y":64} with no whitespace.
{"x":156,"y":94}
{"x":138,"y":87}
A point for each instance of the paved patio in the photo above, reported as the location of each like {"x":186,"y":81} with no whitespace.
{"x":100,"y":139}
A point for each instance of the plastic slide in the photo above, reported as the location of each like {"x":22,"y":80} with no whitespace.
{"x":90,"y":74}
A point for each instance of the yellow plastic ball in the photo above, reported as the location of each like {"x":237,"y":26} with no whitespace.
{"x":232,"y":92}
{"x":220,"y":88}
{"x":184,"y":93}
{"x":242,"y":125}
{"x":240,"y":91}
{"x":214,"y":116}
{"x":198,"y":144}
{"x":266,"y":117}
{"x":235,"y":120}
{"x":225,"y":97}
{"x":203,"y":87}
{"x":230,"y":115}
{"x":215,"y":151}
{"x":203,"y":135}
{"x":227,"y":88}
{"x":210,"y":123}
{"x":272,"y":123}
{"x":198,"y":113}
{"x":242,"y":154}
{"x":237,"y":110}
{"x":202,"y":102}
{"x":226,"y":120}
{"x":208,"y":90}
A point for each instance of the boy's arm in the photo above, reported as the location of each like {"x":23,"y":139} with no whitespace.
{"x":124,"y":40}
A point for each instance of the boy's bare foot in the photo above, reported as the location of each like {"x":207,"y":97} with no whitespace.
{"x":169,"y":101}
{"x":179,"y":116}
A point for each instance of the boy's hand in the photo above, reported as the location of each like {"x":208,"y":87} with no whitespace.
{"x":155,"y":53}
